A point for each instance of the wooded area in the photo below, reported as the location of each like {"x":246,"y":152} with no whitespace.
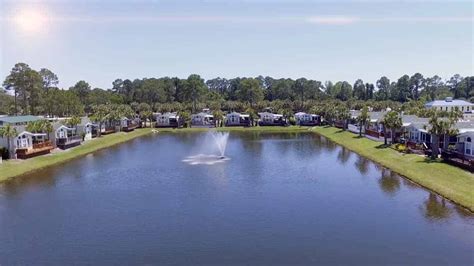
{"x":36,"y":92}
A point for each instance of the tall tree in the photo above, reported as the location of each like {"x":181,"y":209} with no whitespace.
{"x":250,"y":91}
{"x":455,"y":86}
{"x":194,"y":89}
{"x":359,"y":90}
{"x":82,"y":90}
{"x":403,"y":89}
{"x":416,"y":84}
{"x":26,"y":84}
{"x":50,"y":80}
{"x":383,"y":85}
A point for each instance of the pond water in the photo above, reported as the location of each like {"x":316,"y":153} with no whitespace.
{"x":277,"y":199}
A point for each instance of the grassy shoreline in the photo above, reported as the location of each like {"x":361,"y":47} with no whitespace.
{"x":448,"y":181}
{"x":14,"y":168}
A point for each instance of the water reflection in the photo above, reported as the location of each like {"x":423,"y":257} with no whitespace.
{"x":344,"y":155}
{"x":435,"y":208}
{"x":389,"y":182}
{"x":362,"y":164}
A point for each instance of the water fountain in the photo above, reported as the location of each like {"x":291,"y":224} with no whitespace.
{"x":213,"y":142}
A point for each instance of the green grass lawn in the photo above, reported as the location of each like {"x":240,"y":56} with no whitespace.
{"x":449,"y":181}
{"x":10,"y":169}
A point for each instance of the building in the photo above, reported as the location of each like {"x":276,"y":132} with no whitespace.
{"x":450,"y":104}
{"x":203,"y":119}
{"x":18,"y":121}
{"x":67,"y":137}
{"x":28,"y":145}
{"x":304,"y":119}
{"x":237,"y":119}
{"x":168,"y":120}
{"x":271,"y":119}
{"x":127,"y":124}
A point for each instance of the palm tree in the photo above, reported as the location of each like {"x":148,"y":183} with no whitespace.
{"x":73,"y":121}
{"x":440,"y":126}
{"x":252,"y":114}
{"x":218,"y":116}
{"x":363,"y":119}
{"x":100,"y":115}
{"x":392,"y":121}
{"x":8,"y":132}
{"x":342,"y":114}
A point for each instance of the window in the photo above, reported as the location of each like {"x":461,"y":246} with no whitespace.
{"x":467,"y":147}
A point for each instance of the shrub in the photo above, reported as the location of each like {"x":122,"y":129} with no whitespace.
{"x":4,"y":153}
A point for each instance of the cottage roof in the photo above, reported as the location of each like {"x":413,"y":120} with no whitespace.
{"x":410,"y":119}
{"x":448,"y":102}
{"x":19,"y":119}
{"x":32,"y":134}
{"x":464,"y":126}
{"x":65,"y":127}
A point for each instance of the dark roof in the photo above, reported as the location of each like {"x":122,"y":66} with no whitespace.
{"x":19,"y":119}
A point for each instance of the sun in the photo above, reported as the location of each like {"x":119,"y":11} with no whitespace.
{"x":31,"y":20}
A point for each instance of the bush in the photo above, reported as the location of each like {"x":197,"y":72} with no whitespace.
{"x":292,"y":121}
{"x":401,"y":147}
{"x":4,"y":153}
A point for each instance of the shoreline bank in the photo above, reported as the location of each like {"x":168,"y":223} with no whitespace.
{"x":13,"y":168}
{"x":448,"y":181}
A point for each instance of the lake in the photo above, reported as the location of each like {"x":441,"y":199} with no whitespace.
{"x":280,"y":199}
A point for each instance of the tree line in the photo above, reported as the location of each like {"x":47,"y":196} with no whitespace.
{"x":36,"y":92}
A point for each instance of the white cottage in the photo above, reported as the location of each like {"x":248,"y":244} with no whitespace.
{"x":304,"y":119}
{"x":67,"y":137}
{"x":203,"y":119}
{"x":237,"y":119}
{"x":168,"y":120}
{"x":465,"y":144}
{"x":271,"y":119}
{"x":29,"y":144}
{"x":127,"y":124}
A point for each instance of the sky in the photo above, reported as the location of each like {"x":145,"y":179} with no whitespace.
{"x":100,"y":41}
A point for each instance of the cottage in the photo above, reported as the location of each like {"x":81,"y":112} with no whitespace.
{"x":29,"y":145}
{"x":237,"y":119}
{"x":109,"y":127}
{"x":203,"y":119}
{"x":450,"y":104}
{"x":17,"y":121}
{"x":465,"y":144}
{"x":304,"y":119}
{"x":271,"y":119}
{"x":418,"y":137}
{"x":127,"y":124}
{"x":168,"y":120}
{"x":67,"y":137}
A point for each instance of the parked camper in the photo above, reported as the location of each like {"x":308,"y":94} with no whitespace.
{"x":304,"y":119}
{"x":169,"y":120}
{"x":67,"y":137}
{"x":237,"y":119}
{"x":203,"y":119}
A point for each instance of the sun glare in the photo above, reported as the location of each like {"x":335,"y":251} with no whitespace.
{"x":31,"y":20}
